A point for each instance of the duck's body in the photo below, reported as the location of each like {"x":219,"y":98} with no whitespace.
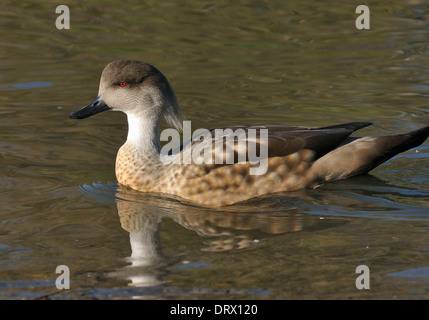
{"x":297,"y":157}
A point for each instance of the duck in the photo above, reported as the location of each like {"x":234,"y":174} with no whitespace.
{"x":295,"y":157}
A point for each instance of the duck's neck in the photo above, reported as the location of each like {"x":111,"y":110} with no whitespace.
{"x":143,"y":134}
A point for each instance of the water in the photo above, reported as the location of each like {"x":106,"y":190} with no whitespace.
{"x":295,"y":62}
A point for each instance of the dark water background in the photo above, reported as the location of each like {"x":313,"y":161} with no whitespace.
{"x":281,"y":62}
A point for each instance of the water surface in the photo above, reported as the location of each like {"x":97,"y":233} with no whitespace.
{"x":295,"y":62}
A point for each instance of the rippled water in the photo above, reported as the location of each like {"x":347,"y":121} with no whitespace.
{"x":295,"y":62}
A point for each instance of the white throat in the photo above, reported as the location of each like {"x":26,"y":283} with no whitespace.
{"x":143,"y":133}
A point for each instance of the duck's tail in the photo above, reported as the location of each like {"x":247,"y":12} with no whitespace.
{"x":364,"y":154}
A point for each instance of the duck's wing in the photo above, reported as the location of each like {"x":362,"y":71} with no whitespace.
{"x":232,"y":143}
{"x":330,"y":151}
{"x":283,"y":141}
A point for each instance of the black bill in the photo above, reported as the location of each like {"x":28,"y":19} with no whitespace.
{"x":96,"y":106}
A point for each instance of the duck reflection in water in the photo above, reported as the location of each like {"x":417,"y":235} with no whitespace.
{"x":239,"y":228}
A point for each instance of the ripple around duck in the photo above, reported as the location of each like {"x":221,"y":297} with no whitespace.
{"x":102,"y":192}
{"x":359,"y":197}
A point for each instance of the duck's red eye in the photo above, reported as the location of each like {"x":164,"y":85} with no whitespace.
{"x":122,"y":84}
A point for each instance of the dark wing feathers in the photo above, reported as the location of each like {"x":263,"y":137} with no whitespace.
{"x":285,"y":140}
{"x":336,"y":154}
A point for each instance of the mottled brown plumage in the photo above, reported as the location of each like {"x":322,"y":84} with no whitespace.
{"x":298,"y":157}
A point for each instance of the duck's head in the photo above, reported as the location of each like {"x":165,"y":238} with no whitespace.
{"x":135,"y":88}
